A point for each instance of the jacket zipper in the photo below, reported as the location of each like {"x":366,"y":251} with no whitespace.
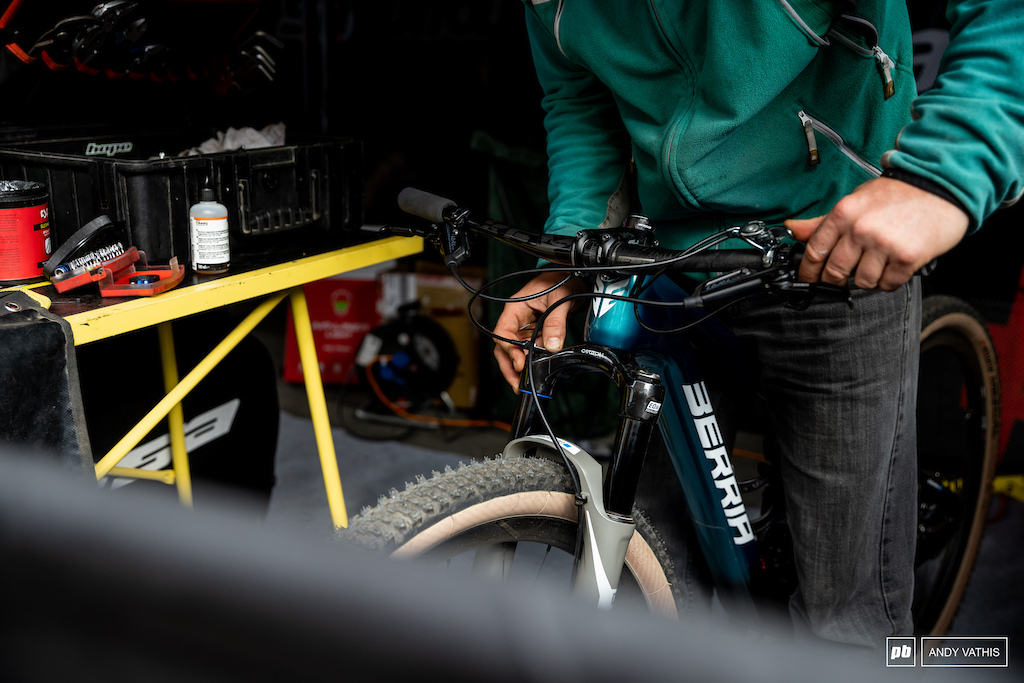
{"x":820,"y":40}
{"x":886,"y":65}
{"x":557,"y":26}
{"x":882,"y":60}
{"x":811,"y":124}
{"x":812,"y":144}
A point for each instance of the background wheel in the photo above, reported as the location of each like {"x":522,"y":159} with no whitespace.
{"x":958,"y":438}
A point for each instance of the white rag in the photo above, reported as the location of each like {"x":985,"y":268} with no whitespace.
{"x":237,"y":138}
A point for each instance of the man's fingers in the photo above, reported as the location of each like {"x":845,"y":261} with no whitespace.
{"x":841,"y":262}
{"x":518,"y":318}
{"x":894,"y":276}
{"x":507,"y":365}
{"x":882,"y":233}
{"x":553,"y":334}
{"x":821,"y":237}
{"x":508,"y":326}
{"x":870,"y":269}
{"x":803,"y":228}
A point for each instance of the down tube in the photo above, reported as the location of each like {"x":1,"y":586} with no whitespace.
{"x":696,"y":447}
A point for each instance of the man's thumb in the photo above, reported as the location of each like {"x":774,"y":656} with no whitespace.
{"x":803,"y":228}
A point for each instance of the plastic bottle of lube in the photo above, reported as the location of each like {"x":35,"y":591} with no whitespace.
{"x":208,"y":223}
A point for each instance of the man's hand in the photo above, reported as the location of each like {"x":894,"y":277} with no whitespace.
{"x":516,"y":317}
{"x":882,"y":233}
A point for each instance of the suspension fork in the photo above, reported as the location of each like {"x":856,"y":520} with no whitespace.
{"x":606,"y":495}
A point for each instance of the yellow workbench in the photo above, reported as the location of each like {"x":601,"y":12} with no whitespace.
{"x":92,"y":319}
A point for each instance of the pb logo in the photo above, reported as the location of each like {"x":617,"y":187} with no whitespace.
{"x":900,"y":652}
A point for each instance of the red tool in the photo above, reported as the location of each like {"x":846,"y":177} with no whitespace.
{"x":152,"y":280}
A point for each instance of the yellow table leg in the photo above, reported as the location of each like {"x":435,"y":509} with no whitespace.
{"x":175,"y":418}
{"x":162,"y":476}
{"x":1010,"y":485}
{"x":173,"y":397}
{"x":318,"y":407}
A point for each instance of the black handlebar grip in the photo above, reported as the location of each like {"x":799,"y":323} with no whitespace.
{"x":424,"y":204}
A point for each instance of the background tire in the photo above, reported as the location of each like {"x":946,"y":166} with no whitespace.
{"x":958,"y":440}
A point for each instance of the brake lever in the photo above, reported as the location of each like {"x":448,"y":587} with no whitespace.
{"x":448,"y":237}
{"x":454,"y":241}
{"x":395,"y":230}
{"x":779,"y":280}
{"x":726,"y":289}
{"x":799,"y":295}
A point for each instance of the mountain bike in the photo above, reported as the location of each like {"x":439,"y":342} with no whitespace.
{"x":546,"y":507}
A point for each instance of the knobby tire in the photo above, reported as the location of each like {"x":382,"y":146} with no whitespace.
{"x":499,"y":501}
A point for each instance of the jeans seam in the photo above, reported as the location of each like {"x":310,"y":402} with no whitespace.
{"x":900,"y":420}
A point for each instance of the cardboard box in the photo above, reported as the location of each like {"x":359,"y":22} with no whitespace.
{"x":443,"y":300}
{"x":342,"y":310}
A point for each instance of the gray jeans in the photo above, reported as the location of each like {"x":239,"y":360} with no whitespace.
{"x":841,"y":388}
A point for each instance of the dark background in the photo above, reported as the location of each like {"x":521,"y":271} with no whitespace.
{"x":412,"y":80}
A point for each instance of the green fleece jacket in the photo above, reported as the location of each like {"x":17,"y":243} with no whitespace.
{"x":769,"y":109}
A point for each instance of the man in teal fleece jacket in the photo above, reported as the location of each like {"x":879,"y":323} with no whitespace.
{"x":803,"y":112}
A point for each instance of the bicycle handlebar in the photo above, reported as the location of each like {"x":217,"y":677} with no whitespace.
{"x":587,"y":249}
{"x":632,"y":249}
{"x":427,"y":206}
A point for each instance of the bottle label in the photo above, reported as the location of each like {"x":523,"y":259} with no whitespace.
{"x":24,"y":242}
{"x":210,"y":250}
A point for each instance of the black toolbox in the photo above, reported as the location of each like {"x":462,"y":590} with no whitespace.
{"x":283,"y":202}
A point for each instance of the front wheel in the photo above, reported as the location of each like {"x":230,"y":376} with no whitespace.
{"x":503,"y":518}
{"x":958,"y":439}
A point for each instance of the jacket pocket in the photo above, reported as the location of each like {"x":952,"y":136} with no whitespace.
{"x":813,"y":128}
{"x":861,"y":36}
{"x":814,"y":17}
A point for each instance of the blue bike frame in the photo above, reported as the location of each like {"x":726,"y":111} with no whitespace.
{"x":617,"y":345}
